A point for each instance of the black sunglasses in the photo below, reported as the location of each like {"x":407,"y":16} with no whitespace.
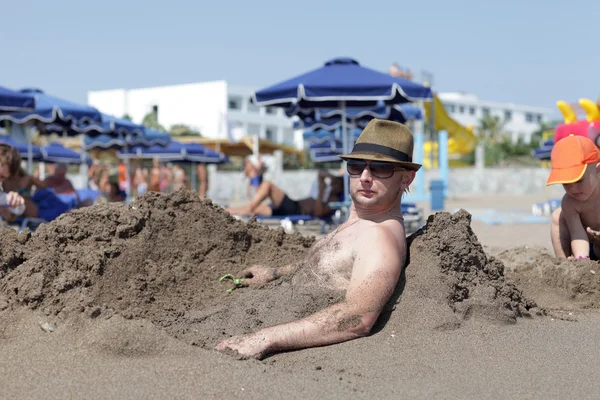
{"x":379,"y":169}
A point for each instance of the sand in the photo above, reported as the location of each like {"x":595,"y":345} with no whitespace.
{"x":125,"y":301}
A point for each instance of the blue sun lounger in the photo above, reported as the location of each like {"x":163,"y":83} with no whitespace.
{"x":413,"y":218}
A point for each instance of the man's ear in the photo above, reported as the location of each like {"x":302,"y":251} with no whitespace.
{"x":409,"y":176}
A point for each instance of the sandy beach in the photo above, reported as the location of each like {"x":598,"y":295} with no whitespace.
{"x":126,"y":303}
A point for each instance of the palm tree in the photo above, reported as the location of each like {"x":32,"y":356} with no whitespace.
{"x":183,"y":130}
{"x":151,"y":121}
{"x":491,"y":129}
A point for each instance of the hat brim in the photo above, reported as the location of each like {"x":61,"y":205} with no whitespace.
{"x":380,"y":157}
{"x":566,"y":175}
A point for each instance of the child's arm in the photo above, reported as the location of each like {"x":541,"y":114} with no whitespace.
{"x":580,"y":244}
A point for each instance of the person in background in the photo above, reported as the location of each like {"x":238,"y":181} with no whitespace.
{"x":10,"y":163}
{"x":178,"y":177}
{"x":155,"y":176}
{"x":58,"y":180}
{"x":255,"y":174}
{"x":23,"y":184}
{"x":202,"y":180}
{"x":141,"y":180}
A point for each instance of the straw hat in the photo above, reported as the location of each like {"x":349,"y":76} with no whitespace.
{"x":383,"y":140}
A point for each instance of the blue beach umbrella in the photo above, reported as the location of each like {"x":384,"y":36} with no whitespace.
{"x":49,"y":109}
{"x":330,"y":119}
{"x":22,"y":148}
{"x":13,"y":101}
{"x":57,"y":153}
{"x":341,"y":83}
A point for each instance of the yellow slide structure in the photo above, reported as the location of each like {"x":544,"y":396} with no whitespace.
{"x":461,"y":139}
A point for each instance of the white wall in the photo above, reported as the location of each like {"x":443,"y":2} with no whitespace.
{"x":202,"y":106}
{"x":111,"y":102}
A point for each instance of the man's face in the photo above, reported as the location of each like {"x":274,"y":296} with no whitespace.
{"x":379,"y":185}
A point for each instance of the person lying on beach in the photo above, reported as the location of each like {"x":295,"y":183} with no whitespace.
{"x":10,"y":164}
{"x":281,"y":204}
{"x":575,"y":230}
{"x":363,"y":257}
{"x":254,"y":173}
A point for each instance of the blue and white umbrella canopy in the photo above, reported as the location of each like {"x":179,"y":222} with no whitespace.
{"x":13,"y":101}
{"x":341,"y":80}
{"x":52,"y":110}
{"x":57,"y":153}
{"x":22,"y":147}
{"x":176,"y":151}
{"x":110,"y":126}
{"x":331,"y":119}
{"x":150,"y":137}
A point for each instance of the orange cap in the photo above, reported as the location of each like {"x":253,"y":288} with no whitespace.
{"x":570,"y":156}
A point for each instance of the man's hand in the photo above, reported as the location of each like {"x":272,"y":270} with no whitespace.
{"x":14,"y":199}
{"x":258,"y":275}
{"x":254,"y":345}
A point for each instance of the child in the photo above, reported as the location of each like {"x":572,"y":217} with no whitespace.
{"x":10,"y":163}
{"x":575,"y":231}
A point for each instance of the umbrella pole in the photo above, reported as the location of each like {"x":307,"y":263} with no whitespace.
{"x":346,"y":150}
{"x":193,"y":177}
{"x":127,"y":177}
{"x":29,"y":149}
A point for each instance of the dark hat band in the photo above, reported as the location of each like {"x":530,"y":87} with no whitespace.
{"x":377,"y":148}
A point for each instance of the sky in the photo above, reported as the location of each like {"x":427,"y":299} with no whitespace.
{"x":531,"y":52}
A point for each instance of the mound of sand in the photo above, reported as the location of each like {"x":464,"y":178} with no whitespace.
{"x":161,"y":258}
{"x":554,"y":283}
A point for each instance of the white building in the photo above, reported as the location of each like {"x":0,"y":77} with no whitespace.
{"x":216,"y":109}
{"x":519,"y":121}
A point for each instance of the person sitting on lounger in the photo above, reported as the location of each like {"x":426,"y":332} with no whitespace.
{"x":331,"y":189}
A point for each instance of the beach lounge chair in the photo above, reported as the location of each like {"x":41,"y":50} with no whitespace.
{"x":413,"y":218}
{"x":51,"y":205}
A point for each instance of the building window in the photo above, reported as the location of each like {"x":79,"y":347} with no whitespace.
{"x":472,"y":110}
{"x":271,"y":111}
{"x":539,"y":118}
{"x":507,"y":115}
{"x":529,"y":117}
{"x":253,"y":129}
{"x":485,"y":111}
{"x":271,"y":133}
{"x":450,"y":107}
{"x":461,"y":109}
{"x":234,"y":103}
{"x":253,"y":108}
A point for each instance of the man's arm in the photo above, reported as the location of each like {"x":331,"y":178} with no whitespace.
{"x":375,"y":273}
{"x":580,"y":244}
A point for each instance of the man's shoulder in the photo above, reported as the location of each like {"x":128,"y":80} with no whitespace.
{"x":382,"y":233}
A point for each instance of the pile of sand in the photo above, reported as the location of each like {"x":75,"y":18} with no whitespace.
{"x":160,"y":259}
{"x":554,"y":283}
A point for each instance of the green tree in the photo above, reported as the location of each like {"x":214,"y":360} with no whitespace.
{"x":184,"y":130}
{"x":127,"y":117}
{"x":151,"y":121}
{"x":491,"y":129}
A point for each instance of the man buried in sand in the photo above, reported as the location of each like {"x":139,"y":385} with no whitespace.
{"x":364,"y":256}
{"x":575,"y":231}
